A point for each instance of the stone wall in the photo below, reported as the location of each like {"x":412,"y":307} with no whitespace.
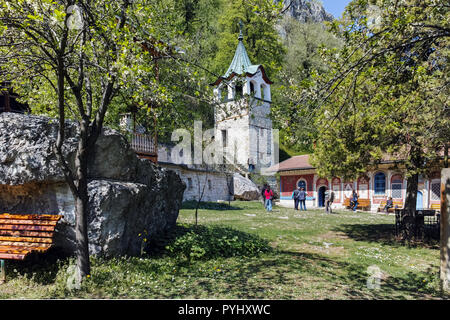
{"x":127,"y":196}
{"x":216,"y":186}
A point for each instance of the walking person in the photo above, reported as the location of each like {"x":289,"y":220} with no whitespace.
{"x":295,"y":196}
{"x":355,"y":200}
{"x":326,"y":197}
{"x":330,"y":202}
{"x":263,"y":194}
{"x":302,"y":198}
{"x":269,"y":197}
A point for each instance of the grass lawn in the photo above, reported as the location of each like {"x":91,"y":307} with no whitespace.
{"x":243,"y":252}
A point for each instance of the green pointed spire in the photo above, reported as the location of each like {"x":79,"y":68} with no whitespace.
{"x":241,"y":61}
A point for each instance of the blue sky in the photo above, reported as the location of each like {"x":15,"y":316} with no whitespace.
{"x":335,"y":7}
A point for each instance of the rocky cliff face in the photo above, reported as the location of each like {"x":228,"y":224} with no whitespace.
{"x":306,"y":10}
{"x":130,"y":199}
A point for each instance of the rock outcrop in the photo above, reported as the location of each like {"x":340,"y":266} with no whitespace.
{"x":306,"y":10}
{"x":130,"y":199}
{"x":245,"y":189}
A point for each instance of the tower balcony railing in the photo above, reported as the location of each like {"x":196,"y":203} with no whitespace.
{"x":144,"y":145}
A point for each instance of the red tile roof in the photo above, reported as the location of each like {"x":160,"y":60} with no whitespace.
{"x":293,"y":163}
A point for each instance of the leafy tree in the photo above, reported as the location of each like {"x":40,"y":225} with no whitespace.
{"x":76,"y":59}
{"x":301,"y":64}
{"x":260,"y":36}
{"x":386,"y":94}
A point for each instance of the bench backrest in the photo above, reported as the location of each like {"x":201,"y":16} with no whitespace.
{"x":395,"y":203}
{"x":361,"y":202}
{"x":21,"y":234}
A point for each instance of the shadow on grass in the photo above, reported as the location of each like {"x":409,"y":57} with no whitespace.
{"x":309,"y":275}
{"x":209,"y":205}
{"x":42,"y":267}
{"x":381,"y":233}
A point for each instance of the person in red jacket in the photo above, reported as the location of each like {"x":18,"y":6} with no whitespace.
{"x":269,"y":197}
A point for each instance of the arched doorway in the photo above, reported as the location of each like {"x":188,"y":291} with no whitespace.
{"x":321,"y":196}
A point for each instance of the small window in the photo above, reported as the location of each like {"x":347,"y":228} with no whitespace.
{"x":396,"y":190}
{"x":224,"y":94}
{"x":189,"y":183}
{"x":224,"y":138}
{"x":209,"y":185}
{"x":380,"y":183}
{"x":436,"y":191}
{"x":238,"y":91}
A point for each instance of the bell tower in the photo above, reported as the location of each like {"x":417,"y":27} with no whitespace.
{"x":242,"y":123}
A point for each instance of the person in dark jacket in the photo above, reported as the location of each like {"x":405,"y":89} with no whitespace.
{"x":354,"y":200}
{"x":295,"y":196}
{"x":263,"y":191}
{"x":329,"y":202}
{"x":389,"y":204}
{"x":302,"y":198}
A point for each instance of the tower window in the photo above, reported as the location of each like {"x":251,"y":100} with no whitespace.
{"x":224,"y":138}
{"x":224,"y":95}
{"x":238,"y":91}
{"x":252,"y":88}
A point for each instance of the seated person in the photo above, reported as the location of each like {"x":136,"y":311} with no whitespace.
{"x":389,"y":204}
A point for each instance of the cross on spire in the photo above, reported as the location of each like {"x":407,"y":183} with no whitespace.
{"x":241,"y":27}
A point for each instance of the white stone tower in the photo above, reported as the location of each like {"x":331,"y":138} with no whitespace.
{"x":242,"y":109}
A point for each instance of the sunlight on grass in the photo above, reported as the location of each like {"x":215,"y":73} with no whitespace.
{"x":243,"y":252}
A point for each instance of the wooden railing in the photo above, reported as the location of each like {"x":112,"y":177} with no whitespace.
{"x":144,"y":144}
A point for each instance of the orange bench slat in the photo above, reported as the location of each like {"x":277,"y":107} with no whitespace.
{"x":53,"y":217}
{"x":12,"y":256}
{"x":26,"y":239}
{"x":18,"y":233}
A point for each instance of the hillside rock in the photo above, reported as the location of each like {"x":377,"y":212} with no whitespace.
{"x":129,"y":199}
{"x":306,"y":10}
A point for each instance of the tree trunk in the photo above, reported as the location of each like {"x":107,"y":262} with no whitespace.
{"x":411,"y":193}
{"x":408,"y":214}
{"x":409,"y":211}
{"x":81,"y":202}
{"x":82,"y":248}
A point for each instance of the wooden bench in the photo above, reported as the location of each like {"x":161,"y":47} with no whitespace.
{"x":398,"y":204}
{"x":22,"y":234}
{"x":362,"y":203}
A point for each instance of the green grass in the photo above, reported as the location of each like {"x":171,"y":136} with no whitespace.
{"x":246,"y":253}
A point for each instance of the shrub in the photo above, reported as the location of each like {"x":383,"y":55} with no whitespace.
{"x":196,"y":243}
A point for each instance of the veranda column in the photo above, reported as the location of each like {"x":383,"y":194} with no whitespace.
{"x":316,"y":203}
{"x":388,"y":184}
{"x":445,"y":230}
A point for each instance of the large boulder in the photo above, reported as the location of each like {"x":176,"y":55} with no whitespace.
{"x":130,"y":199}
{"x":244,"y":188}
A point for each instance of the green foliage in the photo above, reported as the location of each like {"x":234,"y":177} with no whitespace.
{"x":260,"y":36}
{"x":385,"y":95}
{"x":199,"y":243}
{"x":291,"y":112}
